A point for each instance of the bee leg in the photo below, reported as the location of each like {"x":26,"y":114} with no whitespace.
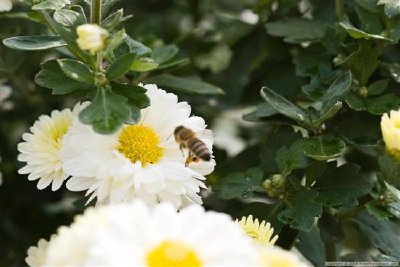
{"x":189,"y":159}
{"x":181,"y":147}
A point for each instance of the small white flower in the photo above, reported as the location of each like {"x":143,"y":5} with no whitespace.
{"x":91,"y":37}
{"x":271,"y":256}
{"x":139,"y":161}
{"x":249,"y":17}
{"x":390,"y":127}
{"x":134,"y":235}
{"x":5,"y":5}
{"x":41,"y":147}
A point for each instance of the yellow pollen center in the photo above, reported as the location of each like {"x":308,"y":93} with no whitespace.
{"x":57,"y":130}
{"x":172,"y":254}
{"x":140,"y":143}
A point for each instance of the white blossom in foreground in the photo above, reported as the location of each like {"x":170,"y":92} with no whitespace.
{"x":41,"y":146}
{"x":134,"y":235}
{"x":37,"y":255}
{"x":141,"y":160}
{"x":272,"y":256}
{"x":91,"y":37}
{"x":5,"y":5}
{"x":390,"y":126}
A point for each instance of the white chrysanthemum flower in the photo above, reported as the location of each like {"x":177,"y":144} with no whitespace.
{"x":37,"y":255}
{"x":271,"y":256}
{"x":260,"y":232}
{"x":91,"y":37}
{"x":390,"y":127}
{"x":41,"y":147}
{"x":134,"y":235}
{"x":139,"y":161}
{"x":5,"y":5}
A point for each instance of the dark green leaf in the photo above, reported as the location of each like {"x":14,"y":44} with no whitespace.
{"x":336,"y":92}
{"x":376,"y":209}
{"x":39,"y":42}
{"x":164,"y":53}
{"x":384,"y":235}
{"x":107,"y":112}
{"x":240,"y":184}
{"x":302,"y":211}
{"x":314,"y":171}
{"x":51,"y":76}
{"x":130,"y":45}
{"x":76,"y":70}
{"x":323,"y":147}
{"x":341,"y":186}
{"x":135,"y":94}
{"x":284,"y":106}
{"x":185,"y":84}
{"x":378,"y":87}
{"x":291,"y":158}
{"x":113,"y":20}
{"x":69,"y":18}
{"x":263,"y":110}
{"x":297,"y":30}
{"x":50,"y":5}
{"x":363,"y":62}
{"x":120,"y":66}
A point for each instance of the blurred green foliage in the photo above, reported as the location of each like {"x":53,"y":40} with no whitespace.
{"x":328,"y":68}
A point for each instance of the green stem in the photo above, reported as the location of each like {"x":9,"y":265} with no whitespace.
{"x":49,"y":21}
{"x":330,"y":249}
{"x":339,"y":9}
{"x":95,"y":17}
{"x":95,"y":12}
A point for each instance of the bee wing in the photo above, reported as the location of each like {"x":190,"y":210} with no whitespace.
{"x":207,"y":137}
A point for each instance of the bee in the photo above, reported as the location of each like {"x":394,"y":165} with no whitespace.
{"x":198,"y":150}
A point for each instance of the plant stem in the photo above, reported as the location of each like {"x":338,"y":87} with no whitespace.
{"x":49,"y":21}
{"x":95,"y":17}
{"x":339,"y":9}
{"x":330,"y":251}
{"x":95,"y":12}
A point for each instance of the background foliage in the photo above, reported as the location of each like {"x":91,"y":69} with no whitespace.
{"x":328,"y":69}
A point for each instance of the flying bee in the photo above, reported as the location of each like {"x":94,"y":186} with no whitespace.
{"x":198,"y":150}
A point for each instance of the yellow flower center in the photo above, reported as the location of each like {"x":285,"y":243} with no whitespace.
{"x":172,"y":254}
{"x":140,"y":143}
{"x":56,"y":131}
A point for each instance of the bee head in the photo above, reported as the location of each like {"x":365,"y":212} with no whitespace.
{"x":178,"y":129}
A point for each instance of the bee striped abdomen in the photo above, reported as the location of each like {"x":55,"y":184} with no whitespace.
{"x":199,"y":149}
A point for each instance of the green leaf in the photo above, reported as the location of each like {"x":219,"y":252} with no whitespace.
{"x":323,"y":147}
{"x":240,"y":184}
{"x":363,"y":62}
{"x":302,"y":211}
{"x":378,"y":87}
{"x":291,"y":158}
{"x":377,"y":210}
{"x":130,"y":45}
{"x":377,"y":105}
{"x":336,"y":92}
{"x":185,"y":84}
{"x":76,"y":70}
{"x":51,"y":76}
{"x":108,"y":5}
{"x":392,"y":7}
{"x":135,"y":94}
{"x":68,"y":18}
{"x":390,"y":169}
{"x":284,"y":106}
{"x":51,"y":5}
{"x":314,"y":171}
{"x":39,"y":42}
{"x":174,"y":63}
{"x":115,"y":42}
{"x":144,"y":64}
{"x":107,"y":112}
{"x":295,"y":30}
{"x":120,"y":66}
{"x":113,"y":20}
{"x":394,"y":70}
{"x":263,"y":110}
{"x":383,"y":235}
{"x":359,"y":34}
{"x":341,"y":186}
{"x":165,"y":53}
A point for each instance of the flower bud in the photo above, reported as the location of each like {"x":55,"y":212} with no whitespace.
{"x":275,"y":186}
{"x":390,"y":127}
{"x":91,"y":37}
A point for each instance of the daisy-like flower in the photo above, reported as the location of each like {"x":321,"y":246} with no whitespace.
{"x":261,"y":232}
{"x":91,"y":37}
{"x":271,"y":256}
{"x":134,"y":235}
{"x":141,"y":160}
{"x":390,"y":126}
{"x":41,"y":147}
